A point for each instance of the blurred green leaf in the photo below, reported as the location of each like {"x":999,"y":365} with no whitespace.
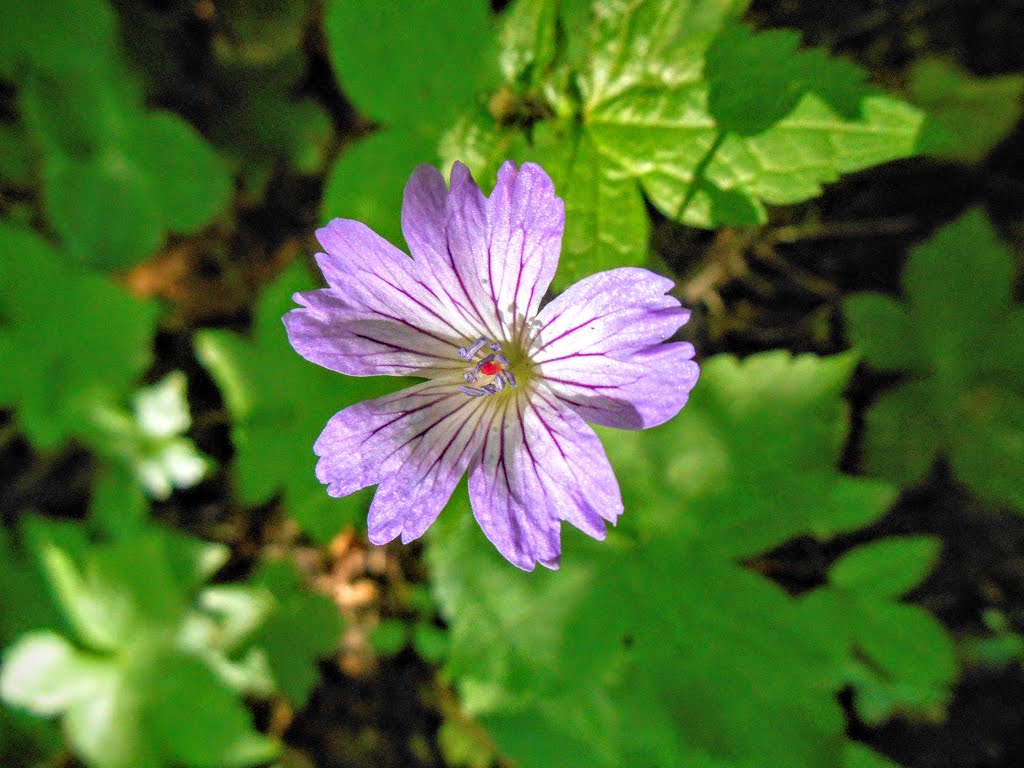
{"x":116,"y":175}
{"x":301,"y":628}
{"x":68,"y":338}
{"x":279,"y":404}
{"x":961,"y":340}
{"x":976,"y":112}
{"x":61,"y":37}
{"x":887,"y":568}
{"x":389,"y":636}
{"x":135,"y":683}
{"x":150,"y":440}
{"x":427,"y":62}
{"x":642,"y":650}
{"x":417,"y":64}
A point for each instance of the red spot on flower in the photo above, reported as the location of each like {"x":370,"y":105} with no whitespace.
{"x":490,"y":368}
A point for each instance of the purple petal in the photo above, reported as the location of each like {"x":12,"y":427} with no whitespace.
{"x":540,"y":464}
{"x":378,"y":316}
{"x":493,"y":257}
{"x":415,"y":444}
{"x":599,"y":349}
{"x":329,"y":332}
{"x":644,"y":390}
{"x":621,"y":310}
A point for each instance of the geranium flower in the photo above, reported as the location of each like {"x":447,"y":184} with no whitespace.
{"x":509,"y":387}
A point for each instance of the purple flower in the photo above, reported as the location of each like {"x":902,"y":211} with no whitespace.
{"x":508,"y":386}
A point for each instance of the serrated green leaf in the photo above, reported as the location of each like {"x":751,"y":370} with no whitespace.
{"x":976,"y":112}
{"x":606,"y":222}
{"x":638,"y":651}
{"x":280,"y":403}
{"x":886,"y":568}
{"x":647,"y":109}
{"x":68,"y":337}
{"x":301,"y":628}
{"x":740,"y":63}
{"x":967,"y":397}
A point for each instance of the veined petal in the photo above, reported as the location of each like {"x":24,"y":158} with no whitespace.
{"x":493,"y":257}
{"x":540,"y":464}
{"x":376,"y":279}
{"x":619,"y":311}
{"x":329,"y":332}
{"x":642,"y":390}
{"x":371,"y":442}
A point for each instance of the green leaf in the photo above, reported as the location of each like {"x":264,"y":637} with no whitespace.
{"x":881,"y":330}
{"x":279,"y":404}
{"x":367,"y":181}
{"x":428,"y":60}
{"x":648,"y":110}
{"x":149,"y":691}
{"x":117,"y":177}
{"x":967,"y":397}
{"x":88,"y":30}
{"x":68,"y":338}
{"x":410,"y":65}
{"x":606,"y":222}
{"x":195,"y":720}
{"x":301,"y":628}
{"x":150,"y":441}
{"x":740,"y":63}
{"x":977,"y":113}
{"x":45,"y":674}
{"x":886,"y":568}
{"x":639,"y":651}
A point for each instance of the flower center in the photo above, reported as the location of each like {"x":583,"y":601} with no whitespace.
{"x":490,"y":374}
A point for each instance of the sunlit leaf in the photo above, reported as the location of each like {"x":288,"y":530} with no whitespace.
{"x":641,"y":649}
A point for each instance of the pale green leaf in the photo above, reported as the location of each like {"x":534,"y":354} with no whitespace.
{"x":886,"y":568}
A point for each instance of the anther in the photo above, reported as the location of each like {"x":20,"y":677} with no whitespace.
{"x":509,"y":377}
{"x":467,"y":354}
{"x":473,"y":391}
{"x":468,"y":375}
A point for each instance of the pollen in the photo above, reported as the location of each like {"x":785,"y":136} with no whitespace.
{"x":490,"y":368}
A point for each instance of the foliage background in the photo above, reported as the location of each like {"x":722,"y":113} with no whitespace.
{"x":822,"y":559}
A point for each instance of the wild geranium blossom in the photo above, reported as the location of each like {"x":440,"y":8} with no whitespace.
{"x":508,"y":386}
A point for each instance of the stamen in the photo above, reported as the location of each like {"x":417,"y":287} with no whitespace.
{"x":467,"y":354}
{"x":493,"y":366}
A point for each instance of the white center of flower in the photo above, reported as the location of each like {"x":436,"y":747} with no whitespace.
{"x":490,"y":374}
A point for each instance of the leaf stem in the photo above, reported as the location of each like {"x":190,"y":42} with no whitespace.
{"x":698,"y":174}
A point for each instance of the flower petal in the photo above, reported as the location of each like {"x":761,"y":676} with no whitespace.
{"x":598,"y":349}
{"x":644,"y":390}
{"x":329,"y":332}
{"x":493,"y":257}
{"x":540,"y":464}
{"x":621,"y":310}
{"x":415,"y":443}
